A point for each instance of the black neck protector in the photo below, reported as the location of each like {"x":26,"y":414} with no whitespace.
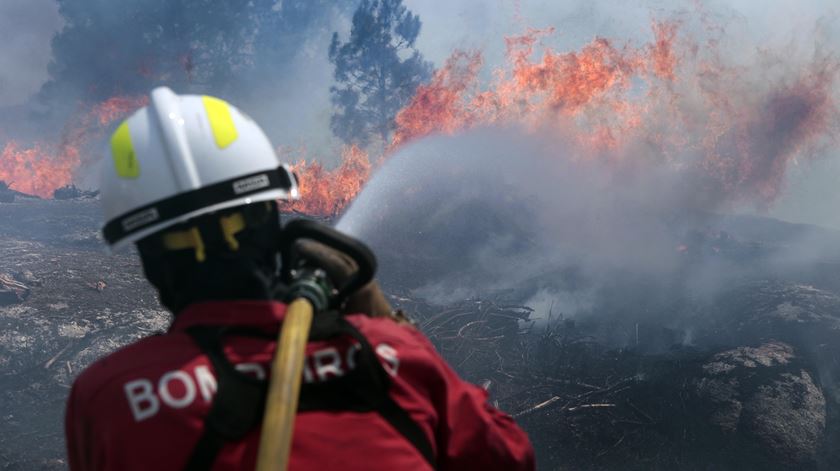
{"x":248,"y":273}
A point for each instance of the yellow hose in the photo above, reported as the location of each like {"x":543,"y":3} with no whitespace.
{"x":284,"y":389}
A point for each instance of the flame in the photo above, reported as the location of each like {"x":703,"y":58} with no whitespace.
{"x":38,"y":169}
{"x":114,"y":108}
{"x":732,"y":131}
{"x":672,"y":104}
{"x":669,"y":104}
{"x":749,"y":153}
{"x":442,"y":105}
{"x":327,"y":192}
{"x":556,"y":87}
{"x":662,"y":54}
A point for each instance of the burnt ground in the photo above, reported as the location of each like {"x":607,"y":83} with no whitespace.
{"x":81,"y":304}
{"x":747,"y":379}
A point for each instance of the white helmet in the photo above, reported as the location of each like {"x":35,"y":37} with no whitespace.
{"x":181,"y":157}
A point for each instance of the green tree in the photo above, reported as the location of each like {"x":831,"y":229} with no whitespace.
{"x":376,"y":71}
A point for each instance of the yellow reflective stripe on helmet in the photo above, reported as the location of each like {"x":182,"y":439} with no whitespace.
{"x":122,"y":151}
{"x":230,"y":226}
{"x":221,"y":122}
{"x":188,"y":239}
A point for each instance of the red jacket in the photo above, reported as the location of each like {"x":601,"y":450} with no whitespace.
{"x":143,"y":406}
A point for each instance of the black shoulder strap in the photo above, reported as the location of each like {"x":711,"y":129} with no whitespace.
{"x":237,"y":406}
{"x":368,"y":380}
{"x":240,"y":399}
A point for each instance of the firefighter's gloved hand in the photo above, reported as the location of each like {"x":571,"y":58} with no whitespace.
{"x":339,"y":267}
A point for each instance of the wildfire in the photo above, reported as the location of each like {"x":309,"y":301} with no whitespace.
{"x":731,"y":131}
{"x":671,"y":104}
{"x":114,"y":108}
{"x":590,"y":85}
{"x":40,"y":168}
{"x":36,"y":170}
{"x":606,"y":97}
{"x":442,"y":105}
{"x":327,"y":192}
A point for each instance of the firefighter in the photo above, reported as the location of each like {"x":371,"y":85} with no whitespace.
{"x":193,"y":182}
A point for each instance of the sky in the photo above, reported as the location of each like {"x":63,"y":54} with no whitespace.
{"x":812,"y":195}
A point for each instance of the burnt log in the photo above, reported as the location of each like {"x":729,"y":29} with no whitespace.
{"x":6,"y":194}
{"x":71,"y":192}
{"x":11,"y":290}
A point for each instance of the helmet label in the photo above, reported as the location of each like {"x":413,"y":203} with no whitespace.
{"x":247,"y":185}
{"x":140,"y":219}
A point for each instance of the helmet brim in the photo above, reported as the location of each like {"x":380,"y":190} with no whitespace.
{"x":276,"y":184}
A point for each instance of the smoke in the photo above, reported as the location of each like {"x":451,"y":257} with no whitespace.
{"x":26,"y":27}
{"x":504,"y":213}
{"x":477,"y":24}
{"x":496,"y":210}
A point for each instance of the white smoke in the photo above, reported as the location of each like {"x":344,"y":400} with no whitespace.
{"x":495,"y":211}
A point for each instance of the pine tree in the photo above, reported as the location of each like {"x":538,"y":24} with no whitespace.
{"x":377,"y":71}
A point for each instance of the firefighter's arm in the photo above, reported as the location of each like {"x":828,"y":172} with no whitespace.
{"x":368,"y":300}
{"x":472,"y":434}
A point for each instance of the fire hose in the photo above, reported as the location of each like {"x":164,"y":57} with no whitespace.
{"x":310,"y":292}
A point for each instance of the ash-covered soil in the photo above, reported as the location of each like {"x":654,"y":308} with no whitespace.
{"x":757,"y":388}
{"x":81,"y":304}
{"x":746,"y":378}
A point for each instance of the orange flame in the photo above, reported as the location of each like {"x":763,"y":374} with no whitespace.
{"x":553,"y":89}
{"x":442,"y":105}
{"x":734,"y":130}
{"x":671,"y":102}
{"x":42,"y":167}
{"x":327,"y":192}
{"x":115,"y":108}
{"x":37,"y":170}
